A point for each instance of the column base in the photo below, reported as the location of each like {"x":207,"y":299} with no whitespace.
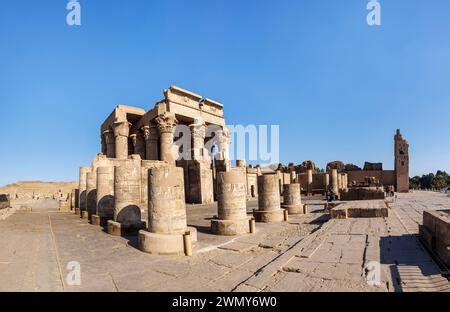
{"x":95,"y":219}
{"x":84,"y":215}
{"x":164,"y":244}
{"x":305,"y":209}
{"x":294,"y":209}
{"x":230,"y":227}
{"x":118,"y":229}
{"x":104,"y":220}
{"x":269,"y":216}
{"x":77,"y":211}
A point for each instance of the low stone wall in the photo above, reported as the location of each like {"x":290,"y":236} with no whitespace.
{"x":360,"y":209}
{"x":435,"y":232}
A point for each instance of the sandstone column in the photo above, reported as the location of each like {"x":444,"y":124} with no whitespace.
{"x":198,"y":132}
{"x":91,"y":193}
{"x":127,"y":213}
{"x":166,"y":123}
{"x":223,"y":143}
{"x":166,"y":212}
{"x":151,"y":137}
{"x":121,"y":133}
{"x":82,"y":188}
{"x":105,"y":194}
{"x":345,"y":182}
{"x":232,"y":204}
{"x":334,"y":182}
{"x":310,"y":182}
{"x":110,"y":143}
{"x":326,"y":182}
{"x":292,"y":198}
{"x":294,"y":177}
{"x":138,"y":144}
{"x":269,"y":206}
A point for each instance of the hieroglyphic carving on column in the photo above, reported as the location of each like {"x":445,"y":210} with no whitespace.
{"x":121,"y":133}
{"x":223,"y":142}
{"x":166,"y":123}
{"x":198,"y":132}
{"x":138,"y":142}
{"x":110,"y":142}
{"x":151,"y":137}
{"x":103,"y":142}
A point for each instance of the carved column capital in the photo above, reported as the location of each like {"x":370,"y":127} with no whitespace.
{"x":134,"y":139}
{"x":108,"y":136}
{"x":121,"y":128}
{"x":150,"y":132}
{"x":166,"y":122}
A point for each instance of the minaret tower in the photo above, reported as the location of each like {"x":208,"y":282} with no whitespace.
{"x":401,"y":163}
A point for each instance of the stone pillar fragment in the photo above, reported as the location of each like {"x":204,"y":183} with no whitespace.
{"x":269,"y":205}
{"x":345,"y":178}
{"x":121,"y":133}
{"x":240,"y":163}
{"x":166,"y":123}
{"x":294,"y":177}
{"x":326,"y":182}
{"x":292,"y":198}
{"x":82,"y":188}
{"x":310,"y":182}
{"x":223,"y":156}
{"x":166,"y":212}
{"x":198,"y":132}
{"x":127,"y":213}
{"x":105,"y":194}
{"x":335,"y":182}
{"x":91,"y":193}
{"x":232,"y":204}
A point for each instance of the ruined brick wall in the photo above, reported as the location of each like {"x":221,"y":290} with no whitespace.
{"x":386,"y":177}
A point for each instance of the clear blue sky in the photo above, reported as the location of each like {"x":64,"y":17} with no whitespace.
{"x":338,"y":88}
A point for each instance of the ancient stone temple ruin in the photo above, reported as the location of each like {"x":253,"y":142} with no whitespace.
{"x":142,"y":169}
{"x":154,"y":162}
{"x":132,"y":131}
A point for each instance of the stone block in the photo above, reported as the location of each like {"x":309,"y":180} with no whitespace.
{"x":339,"y":213}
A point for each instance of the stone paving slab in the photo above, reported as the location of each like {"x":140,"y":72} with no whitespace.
{"x":308,"y":253}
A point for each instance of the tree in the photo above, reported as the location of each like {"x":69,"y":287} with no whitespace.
{"x":439,"y":182}
{"x":426,"y":180}
{"x":414,"y":183}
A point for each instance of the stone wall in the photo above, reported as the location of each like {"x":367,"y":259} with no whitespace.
{"x":386,"y":177}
